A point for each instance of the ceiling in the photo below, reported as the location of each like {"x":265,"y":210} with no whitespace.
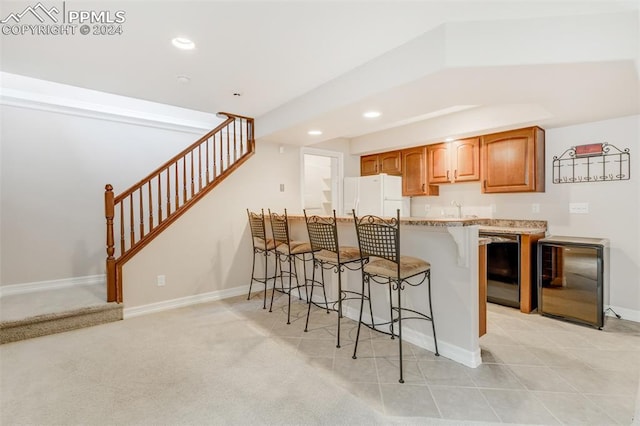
{"x":303,"y":65}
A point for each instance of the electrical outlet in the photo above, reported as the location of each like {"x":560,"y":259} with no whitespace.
{"x":579,"y":208}
{"x":427,"y":208}
{"x":161,"y":280}
{"x":282,"y":187}
{"x":535,"y":208}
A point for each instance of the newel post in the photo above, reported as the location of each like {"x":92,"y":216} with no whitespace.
{"x":109,"y":208}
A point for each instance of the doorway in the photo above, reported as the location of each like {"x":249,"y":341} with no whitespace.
{"x":321,"y":175}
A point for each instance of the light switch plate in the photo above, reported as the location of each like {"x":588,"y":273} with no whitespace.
{"x":579,"y":208}
{"x":535,"y":208}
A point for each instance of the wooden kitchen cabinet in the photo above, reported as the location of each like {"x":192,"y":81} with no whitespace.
{"x":386,"y":162}
{"x":513,"y":161}
{"x":457,"y":161}
{"x":528,"y":279}
{"x":414,"y":173}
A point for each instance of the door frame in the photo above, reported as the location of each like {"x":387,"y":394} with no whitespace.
{"x":339,"y":157}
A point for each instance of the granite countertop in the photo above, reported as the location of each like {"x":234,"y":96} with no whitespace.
{"x":495,"y":226}
{"x":484,"y":241}
{"x":420,"y":221}
{"x":511,"y":229}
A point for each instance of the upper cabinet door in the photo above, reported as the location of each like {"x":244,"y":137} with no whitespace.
{"x":438,"y":163}
{"x":414,"y":173}
{"x":466,"y":160}
{"x":513,"y":161}
{"x":390,"y":163}
{"x":457,"y":161}
{"x":369,"y":165}
{"x":386,"y":162}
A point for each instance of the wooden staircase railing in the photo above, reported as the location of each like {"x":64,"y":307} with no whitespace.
{"x":143,"y":211}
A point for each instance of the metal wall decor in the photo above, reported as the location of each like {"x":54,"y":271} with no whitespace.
{"x":591,"y":163}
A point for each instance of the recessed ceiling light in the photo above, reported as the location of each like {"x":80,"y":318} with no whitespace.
{"x":183,"y":79}
{"x":183,"y":43}
{"x":371,"y":114}
{"x":314,"y":132}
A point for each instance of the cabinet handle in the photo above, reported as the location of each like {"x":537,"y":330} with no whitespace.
{"x":447,"y":174}
{"x":423,"y":187}
{"x":455,"y":174}
{"x":484,"y":183}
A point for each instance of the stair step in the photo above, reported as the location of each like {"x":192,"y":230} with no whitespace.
{"x":51,"y":323}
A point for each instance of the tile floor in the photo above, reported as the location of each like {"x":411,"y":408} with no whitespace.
{"x":536,"y":370}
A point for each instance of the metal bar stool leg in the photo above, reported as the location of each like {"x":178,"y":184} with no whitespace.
{"x":324,"y":291}
{"x":433,"y":324}
{"x":339,"y":304}
{"x":313,"y":280}
{"x":373,"y":325}
{"x":253,"y":270}
{"x":355,"y":348}
{"x":293,"y":259}
{"x":304,"y":271}
{"x":323,"y":286}
{"x":391,"y":309}
{"x":400,"y":328}
{"x":266,"y":279}
{"x":275,"y":279}
{"x":290,"y":279}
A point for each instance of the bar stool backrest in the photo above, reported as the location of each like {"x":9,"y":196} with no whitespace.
{"x":378,"y":237}
{"x":323,"y":232}
{"x":256,"y":223}
{"x":279,"y":227}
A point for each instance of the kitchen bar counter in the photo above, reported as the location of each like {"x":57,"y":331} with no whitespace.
{"x":495,"y":226}
{"x":451,"y":246}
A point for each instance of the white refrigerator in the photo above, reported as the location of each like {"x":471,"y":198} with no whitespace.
{"x":379,"y":195}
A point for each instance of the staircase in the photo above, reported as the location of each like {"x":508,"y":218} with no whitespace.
{"x":135,"y":217}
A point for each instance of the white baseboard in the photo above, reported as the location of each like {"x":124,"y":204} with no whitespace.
{"x":626,"y":314}
{"x":447,"y":350}
{"x":9,"y":290}
{"x":166,"y":305}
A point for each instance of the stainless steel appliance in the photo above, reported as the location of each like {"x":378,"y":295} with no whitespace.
{"x":503,"y":269}
{"x":572,"y":276}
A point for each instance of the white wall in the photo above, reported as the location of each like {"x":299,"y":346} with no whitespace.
{"x":613,"y":206}
{"x":54,"y":167}
{"x":209,"y":248}
{"x":317,"y":180}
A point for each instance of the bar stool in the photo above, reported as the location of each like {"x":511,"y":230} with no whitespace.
{"x":261,"y":247}
{"x":288,"y":251}
{"x":328,"y":254}
{"x":380,"y":239}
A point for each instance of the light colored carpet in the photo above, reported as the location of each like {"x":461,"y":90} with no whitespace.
{"x":231,"y":362}
{"x":207,"y":364}
{"x":43,"y":325}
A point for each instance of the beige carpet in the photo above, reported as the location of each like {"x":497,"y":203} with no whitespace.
{"x":231,"y":362}
{"x":207,"y":364}
{"x":45,"y":324}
